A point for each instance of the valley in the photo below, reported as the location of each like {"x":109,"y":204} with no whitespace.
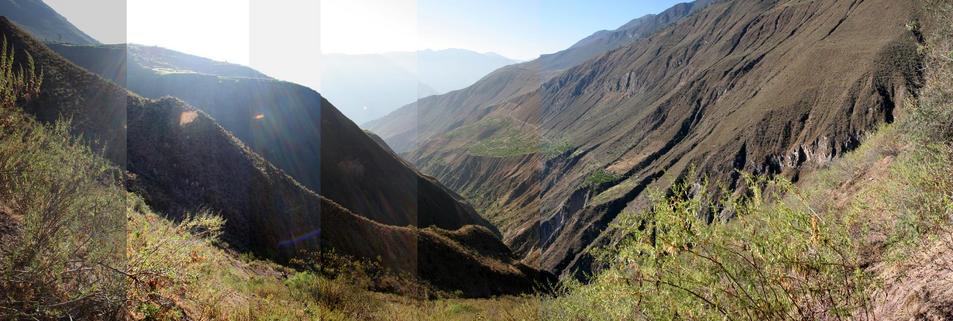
{"x":717,"y":160}
{"x":637,"y":118}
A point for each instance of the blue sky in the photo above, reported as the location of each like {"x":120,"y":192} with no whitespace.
{"x":524,"y":29}
{"x":520,"y":29}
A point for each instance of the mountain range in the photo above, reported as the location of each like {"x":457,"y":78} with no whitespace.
{"x":368,"y":86}
{"x":414,"y":123}
{"x":771,"y":87}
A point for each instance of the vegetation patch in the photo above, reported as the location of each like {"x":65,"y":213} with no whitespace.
{"x":61,"y":222}
{"x":601,"y":176}
{"x":516,"y":145}
{"x":771,"y":262}
{"x":615,"y":191}
{"x":502,"y":308}
{"x":504,"y":146}
{"x":497,"y":137}
{"x":554,"y":148}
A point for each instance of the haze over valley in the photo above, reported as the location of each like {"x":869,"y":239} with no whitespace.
{"x":369,"y":86}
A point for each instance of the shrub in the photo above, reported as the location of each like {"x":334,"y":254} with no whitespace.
{"x":554,"y":148}
{"x":65,"y":207}
{"x":17,"y":83}
{"x":921,"y":189}
{"x":599,"y":177}
{"x":771,"y":262}
{"x":931,"y":119}
{"x":70,"y":227}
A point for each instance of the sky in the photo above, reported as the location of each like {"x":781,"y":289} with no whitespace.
{"x":221,"y":29}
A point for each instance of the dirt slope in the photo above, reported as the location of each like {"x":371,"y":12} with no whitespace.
{"x":771,"y":87}
{"x":181,"y":160}
{"x":292,"y":127}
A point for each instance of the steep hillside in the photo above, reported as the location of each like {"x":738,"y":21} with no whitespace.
{"x":43,"y":22}
{"x":182,"y":161}
{"x":366,"y":87}
{"x":291,"y":126}
{"x":605,"y":40}
{"x":867,"y":237}
{"x":260,"y":197}
{"x":771,"y":87}
{"x":405,"y":128}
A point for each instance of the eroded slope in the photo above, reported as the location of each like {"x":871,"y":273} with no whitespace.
{"x":770,"y":87}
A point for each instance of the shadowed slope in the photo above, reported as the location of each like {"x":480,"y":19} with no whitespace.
{"x":291,"y":126}
{"x":181,"y":160}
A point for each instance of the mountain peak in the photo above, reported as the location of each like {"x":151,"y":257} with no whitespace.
{"x":43,"y":22}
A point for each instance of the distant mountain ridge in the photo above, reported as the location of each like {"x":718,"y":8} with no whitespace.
{"x":368,"y":86}
{"x":406,"y":128}
{"x":447,"y":70}
{"x":606,"y":40}
{"x":43,"y":22}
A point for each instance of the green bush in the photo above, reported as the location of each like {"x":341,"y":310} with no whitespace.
{"x":600,"y":176}
{"x":67,"y":210}
{"x":931,"y":120}
{"x":554,"y":148}
{"x":771,"y":262}
{"x":341,"y":296}
{"x":16,"y":82}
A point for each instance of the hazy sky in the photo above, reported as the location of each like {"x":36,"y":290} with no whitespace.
{"x":219,"y":29}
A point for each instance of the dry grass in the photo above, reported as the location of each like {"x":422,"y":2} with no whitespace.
{"x":177,"y":271}
{"x":503,"y":309}
{"x":60,"y":236}
{"x":181,"y":273}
